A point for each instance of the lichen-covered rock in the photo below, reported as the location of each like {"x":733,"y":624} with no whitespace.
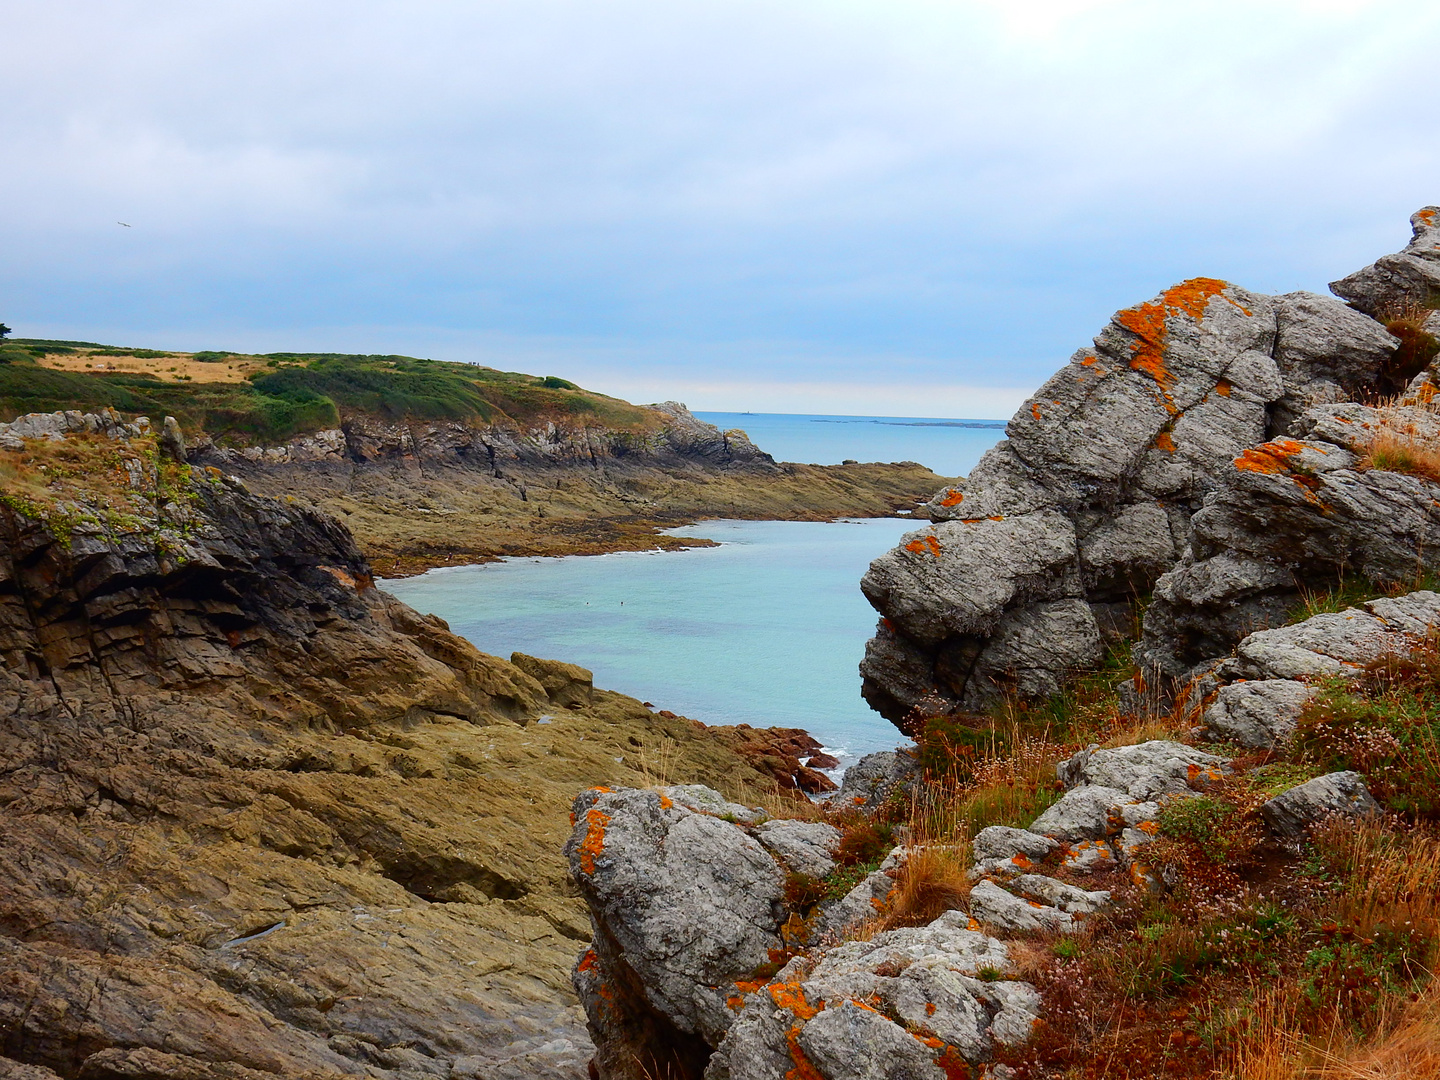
{"x":1030,"y":563}
{"x":907,"y":1003}
{"x":1344,"y":794}
{"x":865,"y":901}
{"x":1083,"y":813}
{"x":704,"y":800}
{"x":1142,"y":771}
{"x":1292,"y":514}
{"x":684,"y":907}
{"x":1003,"y":849}
{"x":1259,"y":714}
{"x":1409,"y":275}
{"x":1003,"y":910}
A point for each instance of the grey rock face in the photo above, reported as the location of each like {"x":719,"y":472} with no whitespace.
{"x":1057,"y":894}
{"x":1083,"y":813}
{"x":1030,"y":562}
{"x":704,"y":800}
{"x":1292,"y":514}
{"x":862,"y":902}
{"x":1143,"y":771}
{"x":1004,"y":910}
{"x":804,"y":847}
{"x":1412,"y":274}
{"x":876,"y":777}
{"x":1002,"y":849}
{"x":924,"y":978}
{"x":1258,"y":714}
{"x":1344,"y":793}
{"x":683,"y":904}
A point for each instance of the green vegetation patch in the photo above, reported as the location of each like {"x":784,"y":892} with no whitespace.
{"x":305,"y":392}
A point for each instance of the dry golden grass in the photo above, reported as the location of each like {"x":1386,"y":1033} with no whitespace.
{"x":177,"y":367}
{"x":1393,"y":450}
{"x":932,"y":881}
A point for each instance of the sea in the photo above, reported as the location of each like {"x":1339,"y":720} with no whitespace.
{"x":766,"y":629}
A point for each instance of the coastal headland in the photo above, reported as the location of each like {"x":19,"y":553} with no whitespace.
{"x":435,"y":464}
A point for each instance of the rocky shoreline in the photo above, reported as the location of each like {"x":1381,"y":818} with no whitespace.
{"x":421,"y":495}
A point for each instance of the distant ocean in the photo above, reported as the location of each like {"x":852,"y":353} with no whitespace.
{"x":767,"y":629}
{"x":949,"y":447}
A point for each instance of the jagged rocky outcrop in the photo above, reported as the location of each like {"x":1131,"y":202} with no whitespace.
{"x":1207,"y":447}
{"x":678,"y":439}
{"x":687,"y":900}
{"x":257,"y":817}
{"x":1411,"y":275}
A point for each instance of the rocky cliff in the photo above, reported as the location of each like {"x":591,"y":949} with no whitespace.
{"x":257,"y":817}
{"x":1212,"y":447}
{"x":421,"y":493}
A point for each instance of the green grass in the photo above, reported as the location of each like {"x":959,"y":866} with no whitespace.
{"x":305,"y":392}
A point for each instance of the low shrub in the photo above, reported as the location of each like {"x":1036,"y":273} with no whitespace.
{"x":932,"y":882}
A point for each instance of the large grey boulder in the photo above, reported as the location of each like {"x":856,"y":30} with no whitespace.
{"x":1258,"y":714}
{"x":1344,"y":794}
{"x":906,"y":1004}
{"x":1143,"y":771}
{"x":1031,"y":563}
{"x":1409,"y":275}
{"x":684,"y":906}
{"x":1084,"y":813}
{"x":803,"y":847}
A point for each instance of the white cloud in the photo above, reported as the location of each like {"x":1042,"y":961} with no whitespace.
{"x":935,"y":188}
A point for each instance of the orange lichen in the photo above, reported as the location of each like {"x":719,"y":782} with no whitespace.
{"x":1223,"y":387}
{"x":1089,"y":361}
{"x":602,"y":789}
{"x":923,"y":545}
{"x":1147,"y":323}
{"x":1021,"y":860}
{"x":1163,"y":441}
{"x":1427,"y":216}
{"x":1035,"y":410}
{"x":953,"y":497}
{"x":587,"y":962}
{"x":748,"y":986}
{"x":791,"y":996}
{"x":929,"y":1008}
{"x":666,"y":803}
{"x":594,"y":842}
{"x":735,"y":1002}
{"x":1272,"y":457}
{"x":888,"y":625}
{"x":992,"y":517}
{"x":803,"y":1069}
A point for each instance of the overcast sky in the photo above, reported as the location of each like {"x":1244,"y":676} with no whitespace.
{"x":905,"y":207}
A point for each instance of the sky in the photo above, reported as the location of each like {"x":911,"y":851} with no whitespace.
{"x":892,"y":207}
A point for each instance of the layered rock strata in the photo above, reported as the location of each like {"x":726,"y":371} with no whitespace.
{"x":257,"y":817}
{"x":1207,"y":447}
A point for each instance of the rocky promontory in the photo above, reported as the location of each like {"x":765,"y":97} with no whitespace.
{"x":1209,"y":450}
{"x":257,"y":817}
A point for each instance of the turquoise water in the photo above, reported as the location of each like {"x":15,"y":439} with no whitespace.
{"x":767,"y":629}
{"x":949,"y":447}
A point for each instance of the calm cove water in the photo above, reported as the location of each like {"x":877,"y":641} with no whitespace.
{"x":949,"y":447}
{"x":766,"y":629}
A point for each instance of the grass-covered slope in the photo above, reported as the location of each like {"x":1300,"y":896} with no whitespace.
{"x":268,"y":399}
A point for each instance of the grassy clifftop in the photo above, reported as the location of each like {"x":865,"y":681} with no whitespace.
{"x":244,"y":399}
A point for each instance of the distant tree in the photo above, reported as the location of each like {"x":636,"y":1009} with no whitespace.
{"x":5,"y":330}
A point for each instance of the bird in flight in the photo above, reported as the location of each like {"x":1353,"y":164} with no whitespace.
{"x":123,"y":223}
